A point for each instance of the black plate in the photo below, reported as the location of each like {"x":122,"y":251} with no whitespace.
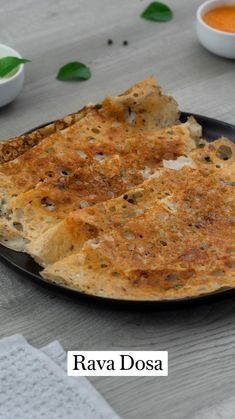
{"x":212,"y":129}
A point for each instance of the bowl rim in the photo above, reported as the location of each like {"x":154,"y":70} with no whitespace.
{"x":20,"y":69}
{"x":203,"y":23}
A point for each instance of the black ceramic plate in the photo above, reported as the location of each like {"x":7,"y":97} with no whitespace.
{"x":212,"y":129}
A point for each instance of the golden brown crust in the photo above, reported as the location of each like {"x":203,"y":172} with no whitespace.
{"x":163,"y":238}
{"x":172,"y":237}
{"x":108,"y":284}
{"x":14,"y":147}
{"x":97,"y":158}
{"x":95,"y":181}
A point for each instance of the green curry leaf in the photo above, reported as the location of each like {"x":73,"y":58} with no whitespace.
{"x":8,"y":64}
{"x":74,"y":71}
{"x":158,"y":12}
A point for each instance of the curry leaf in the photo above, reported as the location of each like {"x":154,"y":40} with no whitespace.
{"x":8,"y":64}
{"x":158,"y":12}
{"x":74,"y":71}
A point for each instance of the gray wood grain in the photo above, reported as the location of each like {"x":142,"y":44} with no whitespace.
{"x":200,"y":339}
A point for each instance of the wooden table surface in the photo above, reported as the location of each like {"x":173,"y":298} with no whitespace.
{"x":200,"y":339}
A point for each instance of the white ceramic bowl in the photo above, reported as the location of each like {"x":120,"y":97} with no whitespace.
{"x":10,"y":87}
{"x":216,"y":41}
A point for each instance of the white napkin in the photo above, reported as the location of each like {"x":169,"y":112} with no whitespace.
{"x":34,"y":385}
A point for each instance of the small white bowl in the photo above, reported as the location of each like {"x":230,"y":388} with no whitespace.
{"x":10,"y":87}
{"x":219,"y":42}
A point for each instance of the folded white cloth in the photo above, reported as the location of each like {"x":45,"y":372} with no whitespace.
{"x":34,"y":385}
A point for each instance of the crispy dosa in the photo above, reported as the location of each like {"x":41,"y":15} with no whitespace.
{"x":108,"y":151}
{"x":171,"y":237}
{"x":14,"y":147}
{"x":128,"y":161}
{"x":122,"y":201}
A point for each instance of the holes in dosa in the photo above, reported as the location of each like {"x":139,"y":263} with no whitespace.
{"x":207,"y":159}
{"x":91,"y":140}
{"x":134,"y":197}
{"x":50,"y":173}
{"x":99,"y":156}
{"x":172,"y":277}
{"x":128,"y":235}
{"x":82,"y":154}
{"x":65,"y":172}
{"x":95,"y":130}
{"x":224,"y":152}
{"x":84,"y":204}
{"x":47,"y":203}
{"x":18,"y":226}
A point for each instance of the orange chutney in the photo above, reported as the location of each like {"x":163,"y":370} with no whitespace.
{"x":221,"y":18}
